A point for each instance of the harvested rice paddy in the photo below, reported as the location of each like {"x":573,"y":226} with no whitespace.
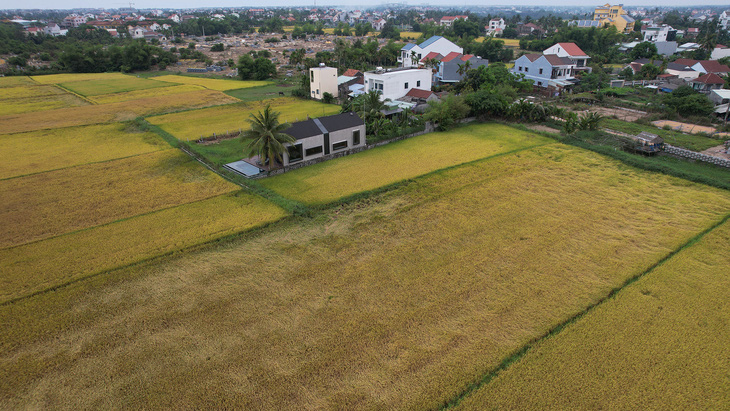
{"x":48,"y":204}
{"x":45,"y":150}
{"x":661,"y":343}
{"x":371,"y":169}
{"x":114,"y":112}
{"x":190,"y":125}
{"x":90,"y":88}
{"x":410,"y":35}
{"x":37,"y":266}
{"x":212,"y":84}
{"x":64,"y":78}
{"x":396,"y":301}
{"x":34,"y":98}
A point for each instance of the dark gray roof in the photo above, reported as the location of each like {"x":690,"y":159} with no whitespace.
{"x":315,"y":127}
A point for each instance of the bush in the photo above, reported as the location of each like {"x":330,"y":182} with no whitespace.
{"x":217,"y":47}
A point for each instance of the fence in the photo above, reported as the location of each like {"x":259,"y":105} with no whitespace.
{"x":693,"y":155}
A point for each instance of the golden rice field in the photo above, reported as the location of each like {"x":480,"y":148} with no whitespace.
{"x":48,"y":204}
{"x":90,"y":88}
{"x":371,"y":169}
{"x":211,"y":83}
{"x":34,"y":97}
{"x":29,"y":91}
{"x":191,"y":125}
{"x":16,"y":81}
{"x":661,"y":343}
{"x":410,"y":35}
{"x":64,"y":78}
{"x":397,"y":301}
{"x":143,"y":94}
{"x":45,"y":150}
{"x":44,"y":264}
{"x":114,"y":112}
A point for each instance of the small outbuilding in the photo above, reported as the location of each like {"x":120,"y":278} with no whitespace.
{"x":648,"y":143}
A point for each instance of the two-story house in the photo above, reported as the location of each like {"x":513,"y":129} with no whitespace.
{"x":615,"y":16}
{"x":571,"y":51}
{"x":546,"y":70}
{"x":322,"y":80}
{"x":324,"y":135}
{"x":411,"y":53}
{"x":495,"y":27}
{"x":452,"y":67}
{"x":395,"y":83}
{"x":448,"y":21}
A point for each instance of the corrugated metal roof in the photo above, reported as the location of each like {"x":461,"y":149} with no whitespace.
{"x":430,"y":41}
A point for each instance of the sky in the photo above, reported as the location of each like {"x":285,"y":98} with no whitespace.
{"x":177,"y":4}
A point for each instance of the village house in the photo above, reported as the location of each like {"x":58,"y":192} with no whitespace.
{"x":708,"y":82}
{"x":724,"y":20}
{"x":412,"y":53}
{"x":322,"y":80}
{"x":452,"y":67}
{"x":615,"y":16}
{"x":572,"y":52}
{"x":378,"y":24}
{"x":395,"y":83}
{"x":53,"y":29}
{"x":323,"y":136}
{"x":448,"y":21}
{"x":658,"y":33}
{"x":529,"y":29}
{"x":719,"y":52}
{"x":495,"y":27}
{"x":547,"y":71}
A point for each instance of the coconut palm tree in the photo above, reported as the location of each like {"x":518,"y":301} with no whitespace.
{"x":267,"y":137}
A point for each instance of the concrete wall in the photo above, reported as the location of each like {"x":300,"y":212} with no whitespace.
{"x":693,"y":155}
{"x":318,"y":141}
{"x":394,"y":82}
{"x":322,"y":80}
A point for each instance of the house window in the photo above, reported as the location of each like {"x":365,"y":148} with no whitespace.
{"x":356,"y":137}
{"x":418,"y":83}
{"x":406,"y":86}
{"x":540,"y":71}
{"x":527,"y":69}
{"x":312,"y":73}
{"x":519,"y":68}
{"x":339,"y":145}
{"x":295,"y":153}
{"x":317,"y":91}
{"x":539,"y":83}
{"x":312,"y":151}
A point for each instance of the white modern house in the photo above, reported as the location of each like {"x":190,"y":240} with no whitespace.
{"x":495,"y":27}
{"x":322,"y":80}
{"x":395,"y":83}
{"x":412,"y":53}
{"x":448,"y":21}
{"x":724,"y":20}
{"x":324,"y":135}
{"x":659,"y":33}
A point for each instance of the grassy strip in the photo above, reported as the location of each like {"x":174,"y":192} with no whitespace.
{"x":147,"y":126}
{"x":517,"y":355}
{"x":675,"y":138}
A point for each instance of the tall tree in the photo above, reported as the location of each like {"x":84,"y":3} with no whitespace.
{"x":267,"y":137}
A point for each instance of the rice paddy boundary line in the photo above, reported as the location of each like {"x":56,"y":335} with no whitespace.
{"x":86,"y":164}
{"x":525,"y":349}
{"x":203,"y":245}
{"x":81,"y":230}
{"x":88,"y":100}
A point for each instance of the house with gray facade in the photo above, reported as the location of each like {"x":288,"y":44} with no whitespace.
{"x":324,"y":135}
{"x":452,"y":67}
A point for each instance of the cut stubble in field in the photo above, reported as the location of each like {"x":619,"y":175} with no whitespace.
{"x":398,"y":301}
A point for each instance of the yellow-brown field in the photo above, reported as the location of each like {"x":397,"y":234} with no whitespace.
{"x":142,"y":94}
{"x":29,"y":91}
{"x":405,"y":35}
{"x":44,"y":150}
{"x":107,"y":113}
{"x":15,"y":81}
{"x":661,"y":343}
{"x":90,"y":88}
{"x":44,"y":264}
{"x":190,"y":125}
{"x":396,"y":301}
{"x":48,"y":204}
{"x":35,"y":97}
{"x":371,"y":169}
{"x":63,"y":78}
{"x":212,"y":84}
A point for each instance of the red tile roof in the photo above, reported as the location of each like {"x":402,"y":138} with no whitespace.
{"x":711,"y":78}
{"x":466,"y":57}
{"x":686,"y":62}
{"x":352,"y":73}
{"x":418,"y":93}
{"x":714,"y":66}
{"x":533,"y":56}
{"x":572,"y":49}
{"x":432,"y":55}
{"x":450,"y":57}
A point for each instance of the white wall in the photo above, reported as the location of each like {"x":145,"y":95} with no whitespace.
{"x":394,"y":82}
{"x":318,"y":141}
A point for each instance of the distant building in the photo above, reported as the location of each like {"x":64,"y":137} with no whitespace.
{"x":705,"y":84}
{"x":547,"y":71}
{"x":322,"y":80}
{"x":395,"y":83}
{"x":724,"y":20}
{"x":378,"y":24}
{"x":449,"y":66}
{"x":615,"y":16}
{"x":658,"y":33}
{"x":448,"y":21}
{"x":495,"y":27}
